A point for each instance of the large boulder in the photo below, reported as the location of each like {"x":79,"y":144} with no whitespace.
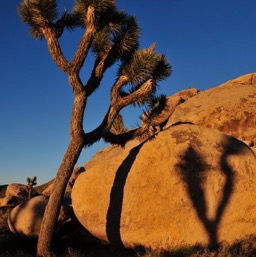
{"x":230,"y":108}
{"x":190,"y":185}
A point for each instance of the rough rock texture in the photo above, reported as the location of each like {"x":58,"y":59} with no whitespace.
{"x":230,"y":108}
{"x":190,"y":185}
{"x":15,"y":194}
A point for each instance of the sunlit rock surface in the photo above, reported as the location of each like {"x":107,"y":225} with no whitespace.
{"x":230,"y":108}
{"x":190,"y":185}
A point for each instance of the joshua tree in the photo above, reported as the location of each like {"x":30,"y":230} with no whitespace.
{"x":112,"y":36}
{"x":31,"y":183}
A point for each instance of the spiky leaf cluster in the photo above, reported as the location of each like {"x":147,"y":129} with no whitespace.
{"x":32,"y":182}
{"x":156,"y":105}
{"x":101,"y":42}
{"x":125,"y":38}
{"x":118,"y":125}
{"x":37,"y":13}
{"x":145,"y":65}
{"x":101,"y":8}
{"x":120,"y":34}
{"x":70,"y":20}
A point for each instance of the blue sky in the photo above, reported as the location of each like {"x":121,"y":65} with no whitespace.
{"x":207,"y":41}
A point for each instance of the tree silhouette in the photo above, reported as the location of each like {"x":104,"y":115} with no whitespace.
{"x":112,"y":36}
{"x":31,"y":183}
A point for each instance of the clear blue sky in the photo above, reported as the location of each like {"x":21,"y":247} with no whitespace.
{"x":207,"y":41}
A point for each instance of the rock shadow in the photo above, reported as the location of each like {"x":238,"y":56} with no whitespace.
{"x":193,"y":169}
{"x":116,"y":197}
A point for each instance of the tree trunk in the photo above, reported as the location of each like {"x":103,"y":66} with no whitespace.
{"x":29,"y":192}
{"x":50,"y":220}
{"x":65,"y":170}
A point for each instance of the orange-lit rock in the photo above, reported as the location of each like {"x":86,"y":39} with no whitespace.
{"x":15,"y":194}
{"x":190,"y":185}
{"x":172,"y":102}
{"x":230,"y":108}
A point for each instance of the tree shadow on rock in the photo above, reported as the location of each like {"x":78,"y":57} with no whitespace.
{"x":193,"y":171}
{"x":116,"y":197}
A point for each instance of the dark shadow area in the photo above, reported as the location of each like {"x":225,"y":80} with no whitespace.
{"x":193,"y":169}
{"x":116,"y":197}
{"x":3,"y":190}
{"x":185,"y":251}
{"x":182,"y":122}
{"x":10,"y":244}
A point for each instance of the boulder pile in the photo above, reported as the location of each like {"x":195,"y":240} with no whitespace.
{"x":194,"y":183}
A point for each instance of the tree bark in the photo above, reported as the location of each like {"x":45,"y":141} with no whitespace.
{"x":65,"y":170}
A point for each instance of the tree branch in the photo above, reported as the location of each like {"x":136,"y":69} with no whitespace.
{"x":75,"y":82}
{"x":123,"y":138}
{"x":77,"y":116}
{"x":105,"y":126}
{"x":142,"y":92}
{"x":82,"y":50}
{"x":115,"y":91}
{"x":55,"y":49}
{"x":117,"y":103}
{"x":100,"y":66}
{"x":86,"y":41}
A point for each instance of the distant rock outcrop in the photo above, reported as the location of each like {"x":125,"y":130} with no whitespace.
{"x":190,"y":185}
{"x":230,"y":108}
{"x":15,"y":194}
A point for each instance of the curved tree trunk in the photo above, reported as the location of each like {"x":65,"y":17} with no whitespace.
{"x":64,"y":172}
{"x":48,"y":224}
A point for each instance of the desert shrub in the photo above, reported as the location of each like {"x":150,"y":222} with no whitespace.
{"x":241,"y":248}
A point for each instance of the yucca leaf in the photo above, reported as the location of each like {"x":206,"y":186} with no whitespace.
{"x":101,"y":8}
{"x":162,"y":69}
{"x":145,"y":65}
{"x":71,"y":20}
{"x":101,"y":42}
{"x":126,"y":36}
{"x":36,"y":33}
{"x":156,"y":105}
{"x":118,"y":125}
{"x":38,"y":12}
